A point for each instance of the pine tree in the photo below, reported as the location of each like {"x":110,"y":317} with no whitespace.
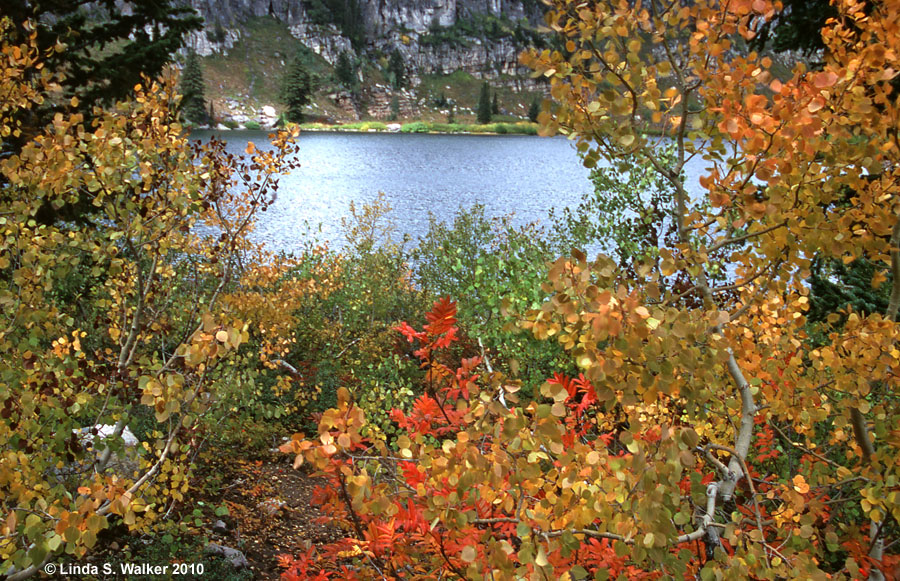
{"x":132,"y":43}
{"x":296,"y":90}
{"x":344,"y":71}
{"x":397,"y":70}
{"x":395,"y":108}
{"x":138,"y":41}
{"x":534,"y":110}
{"x":192,"y":87}
{"x":495,"y":105}
{"x":484,"y":104}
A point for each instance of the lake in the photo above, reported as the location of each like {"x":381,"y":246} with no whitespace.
{"x":419,"y":174}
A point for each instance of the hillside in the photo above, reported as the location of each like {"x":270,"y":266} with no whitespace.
{"x":446,"y":49}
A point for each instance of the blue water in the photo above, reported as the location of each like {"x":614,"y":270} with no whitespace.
{"x":419,"y":174}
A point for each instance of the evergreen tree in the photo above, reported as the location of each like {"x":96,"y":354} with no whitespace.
{"x":495,"y":105}
{"x":397,"y":70}
{"x":484,"y":104}
{"x":797,"y":27}
{"x":395,"y":108}
{"x":296,"y":89}
{"x":108,"y":50}
{"x":192,"y":87}
{"x":109,"y":45}
{"x":534,"y":110}
{"x":344,"y":71}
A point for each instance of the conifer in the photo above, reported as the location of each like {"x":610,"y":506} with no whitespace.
{"x":193,"y":88}
{"x":484,"y":104}
{"x":296,"y":90}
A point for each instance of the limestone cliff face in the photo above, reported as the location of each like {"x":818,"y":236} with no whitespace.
{"x":432,"y":35}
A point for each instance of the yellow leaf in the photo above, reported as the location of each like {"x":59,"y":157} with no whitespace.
{"x":541,"y":559}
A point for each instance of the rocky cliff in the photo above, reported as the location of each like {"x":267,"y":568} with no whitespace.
{"x":481,"y":37}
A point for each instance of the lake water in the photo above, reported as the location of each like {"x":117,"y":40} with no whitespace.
{"x":419,"y":174}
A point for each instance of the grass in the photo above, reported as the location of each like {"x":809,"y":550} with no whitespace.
{"x":516,"y":128}
{"x":361,"y":126}
{"x":463,"y":89}
{"x":251,"y":71}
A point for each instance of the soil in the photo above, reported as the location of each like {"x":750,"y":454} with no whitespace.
{"x":271,"y":513}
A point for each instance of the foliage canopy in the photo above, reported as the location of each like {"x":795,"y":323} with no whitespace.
{"x":134,"y":319}
{"x":706,"y":434}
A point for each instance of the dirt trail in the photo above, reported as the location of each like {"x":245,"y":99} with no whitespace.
{"x":271,"y":513}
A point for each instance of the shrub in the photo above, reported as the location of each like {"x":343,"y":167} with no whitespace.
{"x":498,"y":268}
{"x":415,"y":127}
{"x":164,"y":351}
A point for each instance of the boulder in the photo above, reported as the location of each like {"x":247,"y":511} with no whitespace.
{"x":86,"y":435}
{"x":233,"y":556}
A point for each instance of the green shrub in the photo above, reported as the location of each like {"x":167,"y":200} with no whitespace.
{"x":346,"y":337}
{"x":492,"y":267}
{"x":416,"y":127}
{"x":252,"y":125}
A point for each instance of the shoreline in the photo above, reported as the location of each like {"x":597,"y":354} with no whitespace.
{"x":421,"y":127}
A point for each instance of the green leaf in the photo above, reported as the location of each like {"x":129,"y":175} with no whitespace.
{"x":38,"y":553}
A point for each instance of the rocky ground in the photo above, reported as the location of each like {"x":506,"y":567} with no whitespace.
{"x":271,"y":513}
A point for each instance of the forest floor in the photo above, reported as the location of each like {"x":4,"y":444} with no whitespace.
{"x":271,"y":512}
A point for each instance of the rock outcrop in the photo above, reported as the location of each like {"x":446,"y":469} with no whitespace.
{"x":482,"y":37}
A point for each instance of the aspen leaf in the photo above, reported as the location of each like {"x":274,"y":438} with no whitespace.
{"x":824,"y":80}
{"x":800,"y":484}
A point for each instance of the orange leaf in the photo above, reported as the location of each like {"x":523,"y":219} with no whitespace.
{"x":824,"y":80}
